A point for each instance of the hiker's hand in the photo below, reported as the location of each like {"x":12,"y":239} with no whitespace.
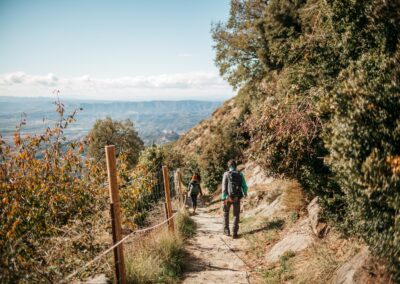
{"x":224,"y":201}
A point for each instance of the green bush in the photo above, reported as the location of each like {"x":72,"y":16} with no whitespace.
{"x":365,"y":152}
{"x":122,"y":134}
{"x":137,"y":190}
{"x":325,"y":79}
{"x":214,"y":158}
{"x":173,"y":158}
{"x":190,"y":166}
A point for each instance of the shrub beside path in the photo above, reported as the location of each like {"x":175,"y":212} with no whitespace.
{"x":211,"y":260}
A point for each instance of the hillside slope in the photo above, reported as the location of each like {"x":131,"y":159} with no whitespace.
{"x":318,"y":88}
{"x":198,"y":136}
{"x":283,"y":234}
{"x":282,"y":239}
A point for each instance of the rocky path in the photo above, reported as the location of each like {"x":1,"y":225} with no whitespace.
{"x":212,"y":259}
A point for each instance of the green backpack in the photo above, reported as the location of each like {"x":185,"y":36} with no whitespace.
{"x":194,"y":187}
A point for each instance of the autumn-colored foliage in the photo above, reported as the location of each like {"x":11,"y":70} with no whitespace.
{"x":54,"y":212}
{"x":45,"y":182}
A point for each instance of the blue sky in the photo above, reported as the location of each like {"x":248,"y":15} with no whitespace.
{"x":116,"y":49}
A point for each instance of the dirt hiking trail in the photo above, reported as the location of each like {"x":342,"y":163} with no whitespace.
{"x":211,"y":260}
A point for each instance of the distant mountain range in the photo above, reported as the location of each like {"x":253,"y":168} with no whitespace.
{"x":156,"y":121}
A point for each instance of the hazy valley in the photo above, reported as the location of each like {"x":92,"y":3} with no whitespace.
{"x":156,"y":121}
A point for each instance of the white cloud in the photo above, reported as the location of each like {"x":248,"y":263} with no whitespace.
{"x":185,"y":85}
{"x":22,"y":78}
{"x":177,"y":81}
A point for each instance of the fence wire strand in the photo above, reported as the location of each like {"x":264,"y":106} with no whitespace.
{"x":157,"y":193}
{"x":114,"y":246}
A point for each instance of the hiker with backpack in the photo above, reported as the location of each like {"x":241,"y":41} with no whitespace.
{"x":194,"y":190}
{"x":234,"y":188}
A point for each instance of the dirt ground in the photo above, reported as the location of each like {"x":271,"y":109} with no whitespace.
{"x":214,"y":257}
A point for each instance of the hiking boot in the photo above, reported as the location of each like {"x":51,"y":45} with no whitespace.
{"x":227,"y":233}
{"x":235,"y":236}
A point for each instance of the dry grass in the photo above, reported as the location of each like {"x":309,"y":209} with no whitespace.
{"x":156,"y":258}
{"x":257,"y":243}
{"x":260,"y":237}
{"x":199,"y":135}
{"x":79,"y":242}
{"x":319,"y":263}
{"x":268,"y":193}
{"x":293,"y":197}
{"x":185,"y":225}
{"x":263,"y":193}
{"x":282,"y":272}
{"x":159,"y":256}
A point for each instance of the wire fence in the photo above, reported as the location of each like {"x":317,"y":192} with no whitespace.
{"x":146,"y":201}
{"x":104,"y":253}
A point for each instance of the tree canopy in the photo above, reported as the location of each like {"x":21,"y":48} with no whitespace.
{"x":122,"y":134}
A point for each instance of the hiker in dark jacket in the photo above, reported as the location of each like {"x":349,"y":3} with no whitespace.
{"x":194,"y":190}
{"x":234,"y":188}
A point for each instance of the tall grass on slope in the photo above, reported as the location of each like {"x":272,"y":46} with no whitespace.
{"x":319,"y":263}
{"x":159,"y":257}
{"x":185,"y":225}
{"x":156,"y":259}
{"x":293,"y":197}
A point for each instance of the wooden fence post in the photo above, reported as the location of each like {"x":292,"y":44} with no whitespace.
{"x":115,"y":214}
{"x":181,"y":192}
{"x":166,"y":211}
{"x":168,"y":197}
{"x":176,"y":183}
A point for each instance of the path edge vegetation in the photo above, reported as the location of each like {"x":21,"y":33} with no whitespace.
{"x":54,"y":195}
{"x":160,"y":257}
{"x":317,"y":101}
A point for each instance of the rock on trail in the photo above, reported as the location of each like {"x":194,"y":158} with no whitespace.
{"x":211,"y":260}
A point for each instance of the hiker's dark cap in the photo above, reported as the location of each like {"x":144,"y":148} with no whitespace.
{"x":232,"y":163}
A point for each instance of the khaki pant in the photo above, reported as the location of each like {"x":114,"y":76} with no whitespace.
{"x":236,"y":215}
